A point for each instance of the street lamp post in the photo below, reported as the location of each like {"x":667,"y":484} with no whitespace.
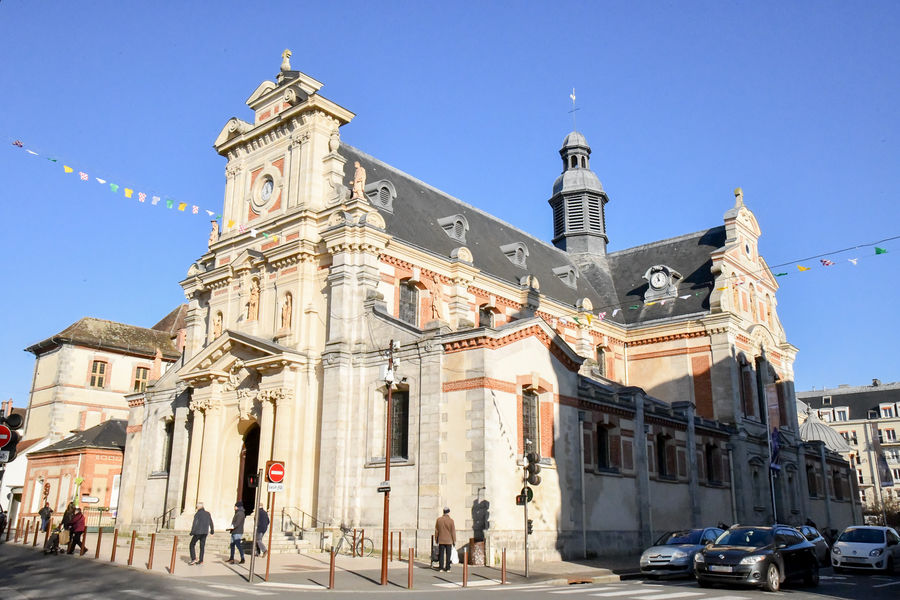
{"x":389,"y":380}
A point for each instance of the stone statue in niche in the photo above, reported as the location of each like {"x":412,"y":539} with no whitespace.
{"x":286,"y":60}
{"x":253,"y":305}
{"x":358,"y":184}
{"x":286,"y":309}
{"x":217,"y":325}
{"x":214,"y":234}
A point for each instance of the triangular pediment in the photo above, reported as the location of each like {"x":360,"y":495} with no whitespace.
{"x":233,"y":128}
{"x":264,"y":88}
{"x":232,"y":350}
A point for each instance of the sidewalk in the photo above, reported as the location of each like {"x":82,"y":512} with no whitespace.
{"x":311,"y":571}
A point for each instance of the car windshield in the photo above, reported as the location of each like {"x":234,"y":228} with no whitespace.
{"x":687,"y":536}
{"x":862,"y":536}
{"x":749,"y":536}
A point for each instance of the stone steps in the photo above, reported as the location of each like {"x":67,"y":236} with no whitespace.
{"x":282,"y":543}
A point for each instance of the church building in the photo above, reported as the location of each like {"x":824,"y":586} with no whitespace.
{"x":655,"y":384}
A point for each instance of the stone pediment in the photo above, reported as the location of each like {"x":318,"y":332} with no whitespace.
{"x":233,"y":128}
{"x":262,"y":89}
{"x":233,"y":356}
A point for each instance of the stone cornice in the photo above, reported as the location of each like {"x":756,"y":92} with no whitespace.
{"x":495,"y":340}
{"x":685,"y":335}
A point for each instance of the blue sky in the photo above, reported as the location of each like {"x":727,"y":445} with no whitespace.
{"x":681,"y":102}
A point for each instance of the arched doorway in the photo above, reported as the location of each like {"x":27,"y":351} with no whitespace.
{"x":249,"y":465}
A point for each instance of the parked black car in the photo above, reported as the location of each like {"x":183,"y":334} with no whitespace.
{"x":818,"y":540}
{"x":757,"y":556}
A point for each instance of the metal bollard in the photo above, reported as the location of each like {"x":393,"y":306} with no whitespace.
{"x":409,"y":576}
{"x":391,"y":546}
{"x":400,"y":546}
{"x":174,"y":548}
{"x":8,"y":529}
{"x":152,"y":546}
{"x":465,"y":558}
{"x":112,"y":558}
{"x":331,"y":570}
{"x":353,"y":550}
{"x":27,"y":528}
{"x":18,"y":529}
{"x":99,"y":539}
{"x":34,"y":543}
{"x":431,"y":552}
{"x":362,"y":541}
{"x":503,"y":568}
{"x":131,"y":551}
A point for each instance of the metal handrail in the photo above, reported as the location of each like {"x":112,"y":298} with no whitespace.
{"x":314,"y":522}
{"x":167,"y":516}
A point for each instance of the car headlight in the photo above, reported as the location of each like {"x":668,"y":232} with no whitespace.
{"x":645,"y":560}
{"x":698,"y":558}
{"x":835,"y":550}
{"x":752,"y":559}
{"x":876,"y":552}
{"x":679,"y":554}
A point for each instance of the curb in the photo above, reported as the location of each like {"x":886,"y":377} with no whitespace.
{"x":576,"y":580}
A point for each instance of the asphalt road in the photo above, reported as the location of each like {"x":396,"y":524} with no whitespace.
{"x":28,"y":575}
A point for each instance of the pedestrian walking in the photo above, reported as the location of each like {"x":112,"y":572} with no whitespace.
{"x":445,"y":535}
{"x":237,"y":530}
{"x":45,"y":514}
{"x":200,"y":528}
{"x":78,"y":527}
{"x":67,"y":515}
{"x":2,"y":521}
{"x":262,"y":525}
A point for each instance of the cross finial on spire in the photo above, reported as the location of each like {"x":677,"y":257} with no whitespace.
{"x":572,"y":96}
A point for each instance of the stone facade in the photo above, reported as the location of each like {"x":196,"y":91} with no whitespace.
{"x":645,"y":418}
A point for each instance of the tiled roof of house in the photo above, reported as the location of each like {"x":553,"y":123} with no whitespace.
{"x":107,"y":435}
{"x":109,"y":335}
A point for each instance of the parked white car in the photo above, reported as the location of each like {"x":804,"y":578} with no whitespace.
{"x":866,"y":547}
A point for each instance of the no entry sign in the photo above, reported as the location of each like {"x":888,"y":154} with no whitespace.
{"x":275,"y":471}
{"x":5,"y":435}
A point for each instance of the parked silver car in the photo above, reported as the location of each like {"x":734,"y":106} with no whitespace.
{"x":673,"y":553}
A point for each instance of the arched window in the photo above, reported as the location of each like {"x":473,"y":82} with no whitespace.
{"x":713,"y":466}
{"x":409,"y":303}
{"x":603,"y":457}
{"x":531,"y":431}
{"x":663,"y":468}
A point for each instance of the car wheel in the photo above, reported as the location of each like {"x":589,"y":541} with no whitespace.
{"x":812,"y":576}
{"x":773,"y":579}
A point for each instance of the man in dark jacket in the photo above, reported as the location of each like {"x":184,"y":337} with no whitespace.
{"x":201,"y":526}
{"x":45,"y":513}
{"x":237,"y":531}
{"x":262,"y":525}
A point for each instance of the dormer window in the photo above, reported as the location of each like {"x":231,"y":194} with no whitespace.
{"x":382,"y":194}
{"x":517,"y":253}
{"x":455,"y":227}
{"x":567,"y":274}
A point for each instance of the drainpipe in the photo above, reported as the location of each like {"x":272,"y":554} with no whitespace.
{"x":730,"y":448}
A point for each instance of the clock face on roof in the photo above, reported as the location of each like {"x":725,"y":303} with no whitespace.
{"x":658,"y":280}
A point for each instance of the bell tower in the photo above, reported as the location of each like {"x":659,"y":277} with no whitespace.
{"x":578,"y":201}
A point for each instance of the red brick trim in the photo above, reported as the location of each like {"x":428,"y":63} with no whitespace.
{"x":133,"y":428}
{"x":479,"y":383}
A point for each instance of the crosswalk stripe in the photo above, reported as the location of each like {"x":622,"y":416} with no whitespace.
{"x":583,"y":590}
{"x":664,"y":596}
{"x":732,"y":598}
{"x":293,"y":586}
{"x":243,"y":590}
{"x":477,"y":583}
{"x":523,"y":588}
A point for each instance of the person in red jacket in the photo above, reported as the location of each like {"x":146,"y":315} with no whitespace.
{"x":77,"y":526}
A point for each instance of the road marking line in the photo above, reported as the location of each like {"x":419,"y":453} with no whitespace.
{"x":238,"y":590}
{"x":887,"y":584}
{"x":294,"y":586}
{"x":582,"y":590}
{"x":648,"y":595}
{"x":524,"y":588}
{"x":476,"y":583}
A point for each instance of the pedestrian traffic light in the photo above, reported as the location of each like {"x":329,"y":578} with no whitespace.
{"x":9,"y":437}
{"x":530,"y":527}
{"x":532,"y":468}
{"x":252,"y":481}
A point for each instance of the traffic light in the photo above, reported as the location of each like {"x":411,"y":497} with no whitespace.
{"x":532,"y":468}
{"x":530,"y":527}
{"x":252,"y":481}
{"x":9,"y":441}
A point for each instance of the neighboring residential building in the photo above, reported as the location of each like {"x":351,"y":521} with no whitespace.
{"x":15,"y":470}
{"x":81,"y":377}
{"x":93,"y":455}
{"x":504,"y":343}
{"x":853,"y":412}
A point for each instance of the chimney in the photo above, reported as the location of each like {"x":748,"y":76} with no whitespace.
{"x":7,"y":408}
{"x":876,"y":382}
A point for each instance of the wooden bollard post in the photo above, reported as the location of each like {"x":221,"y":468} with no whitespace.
{"x":112,"y":558}
{"x":18,"y":529}
{"x":27,"y":527}
{"x":400,"y":546}
{"x":409,"y":575}
{"x":392,"y":547}
{"x":99,"y":539}
{"x":174,"y":549}
{"x":131,"y":551}
{"x":503,"y":568}
{"x":152,"y":546}
{"x":465,"y":558}
{"x":353,"y":549}
{"x":331,"y":570}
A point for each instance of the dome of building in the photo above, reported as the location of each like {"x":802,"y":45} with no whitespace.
{"x":815,"y":430}
{"x":575,"y":139}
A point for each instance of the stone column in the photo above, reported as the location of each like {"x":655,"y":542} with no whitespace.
{"x":179,"y":460}
{"x":193,"y":465}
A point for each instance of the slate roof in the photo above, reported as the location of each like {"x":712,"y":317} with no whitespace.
{"x":109,"y":335}
{"x":609,"y":282}
{"x":860,"y":400}
{"x":688,"y":254}
{"x":174,"y":321}
{"x":107,"y":435}
{"x":418,"y":207}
